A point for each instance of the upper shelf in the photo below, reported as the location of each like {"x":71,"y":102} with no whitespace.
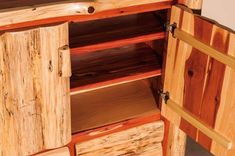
{"x":113,"y":66}
{"x":24,"y":13}
{"x":115,"y":32}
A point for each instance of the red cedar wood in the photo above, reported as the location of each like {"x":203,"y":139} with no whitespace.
{"x":85,"y":37}
{"x":195,"y":75}
{"x":139,"y":70}
{"x":214,"y":84}
{"x":118,"y":43}
{"x":203,"y":102}
{"x":204,"y":96}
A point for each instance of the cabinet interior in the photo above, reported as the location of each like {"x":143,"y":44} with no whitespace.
{"x":116,"y":68}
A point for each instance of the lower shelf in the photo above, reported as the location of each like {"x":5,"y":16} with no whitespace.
{"x":110,"y":105}
{"x":113,"y":66}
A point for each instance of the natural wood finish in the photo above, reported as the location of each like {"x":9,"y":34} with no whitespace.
{"x":118,"y":43}
{"x":57,"y":152}
{"x":119,"y":31}
{"x":109,"y":129}
{"x":35,"y":101}
{"x":64,"y":62}
{"x":225,"y":119}
{"x":119,"y":103}
{"x":43,"y":11}
{"x":98,"y":15}
{"x":217,"y":137}
{"x":62,"y":8}
{"x":145,"y":118}
{"x":202,"y":82}
{"x":192,"y":4}
{"x":128,"y":142}
{"x":202,"y":47}
{"x":125,"y":64}
{"x":176,"y":141}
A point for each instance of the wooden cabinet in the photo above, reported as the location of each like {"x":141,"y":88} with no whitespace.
{"x":90,"y":77}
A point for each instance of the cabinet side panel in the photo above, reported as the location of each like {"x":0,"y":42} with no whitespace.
{"x":24,"y":121}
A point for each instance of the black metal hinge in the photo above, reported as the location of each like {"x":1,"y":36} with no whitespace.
{"x":164,"y":95}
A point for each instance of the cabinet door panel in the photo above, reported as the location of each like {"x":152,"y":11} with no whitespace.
{"x":200,"y":84}
{"x":34,"y":98}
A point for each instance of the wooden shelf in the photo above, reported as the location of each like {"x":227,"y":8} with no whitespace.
{"x":111,"y":105}
{"x":113,"y":66}
{"x":114,"y":32}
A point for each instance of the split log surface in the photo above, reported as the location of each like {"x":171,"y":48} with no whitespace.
{"x":25,"y":11}
{"x":143,"y":140}
{"x":34,"y":99}
{"x":204,"y":85}
{"x":57,"y":152}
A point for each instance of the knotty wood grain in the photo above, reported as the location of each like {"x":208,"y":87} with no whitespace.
{"x":226,"y":112}
{"x":31,"y":12}
{"x":35,"y":101}
{"x":98,"y":15}
{"x":127,"y":142}
{"x":56,"y":152}
{"x":202,"y":82}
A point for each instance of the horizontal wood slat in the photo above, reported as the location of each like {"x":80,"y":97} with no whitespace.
{"x":202,"y":47}
{"x":210,"y":132}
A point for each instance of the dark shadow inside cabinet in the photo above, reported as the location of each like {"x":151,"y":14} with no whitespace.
{"x":195,"y":149}
{"x":116,"y":69}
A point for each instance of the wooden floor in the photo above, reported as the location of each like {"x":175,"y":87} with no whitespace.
{"x":105,"y":106}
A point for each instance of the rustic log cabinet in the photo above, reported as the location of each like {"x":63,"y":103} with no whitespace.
{"x":110,"y":77}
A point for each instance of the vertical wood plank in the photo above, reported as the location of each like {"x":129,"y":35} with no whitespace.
{"x":225,"y":116}
{"x":194,"y":74}
{"x":176,"y":141}
{"x":34,"y":102}
{"x":213,"y":84}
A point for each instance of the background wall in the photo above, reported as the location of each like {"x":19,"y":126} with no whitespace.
{"x":223,"y":11}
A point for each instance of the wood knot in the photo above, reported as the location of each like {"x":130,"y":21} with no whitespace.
{"x":190,"y":73}
{"x":50,"y":66}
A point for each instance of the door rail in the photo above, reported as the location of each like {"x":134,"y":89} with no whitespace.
{"x":189,"y":117}
{"x":204,"y":48}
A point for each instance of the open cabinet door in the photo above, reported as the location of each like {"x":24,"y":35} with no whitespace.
{"x":199,"y":79}
{"x":34,"y":94}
